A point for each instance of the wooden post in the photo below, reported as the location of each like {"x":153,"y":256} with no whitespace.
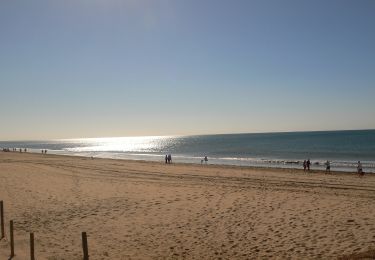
{"x":32,"y":255}
{"x":11,"y":240}
{"x":85,"y":247}
{"x":2,"y":219}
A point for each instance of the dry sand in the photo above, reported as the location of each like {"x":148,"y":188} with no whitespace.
{"x":149,"y":210}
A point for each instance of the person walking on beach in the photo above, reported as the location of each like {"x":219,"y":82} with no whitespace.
{"x":308,"y":163}
{"x":166,"y":159}
{"x":205,"y":159}
{"x":169,"y":158}
{"x":328,"y":167}
{"x":359,"y":169}
{"x":304,"y":165}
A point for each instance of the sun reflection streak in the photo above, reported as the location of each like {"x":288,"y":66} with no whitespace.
{"x":121,"y":144}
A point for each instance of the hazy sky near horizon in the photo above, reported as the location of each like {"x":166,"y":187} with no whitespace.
{"x":93,"y":68}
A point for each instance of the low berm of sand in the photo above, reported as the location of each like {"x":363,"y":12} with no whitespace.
{"x":150,"y":210}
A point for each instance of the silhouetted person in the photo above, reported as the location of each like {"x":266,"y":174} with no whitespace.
{"x":328,"y":167}
{"x":304,"y":165}
{"x":169,"y":158}
{"x":166,"y":158}
{"x":205,"y":159}
{"x":308,"y":163}
{"x":359,"y":169}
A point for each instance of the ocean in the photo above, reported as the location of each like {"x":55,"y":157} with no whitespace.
{"x":280,"y":150}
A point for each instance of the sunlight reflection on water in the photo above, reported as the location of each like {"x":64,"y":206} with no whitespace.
{"x":122,"y":144}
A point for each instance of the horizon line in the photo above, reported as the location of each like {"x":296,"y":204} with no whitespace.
{"x":186,"y":135}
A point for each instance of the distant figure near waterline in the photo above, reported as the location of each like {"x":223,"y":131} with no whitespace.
{"x":328,"y":167}
{"x":169,"y":158}
{"x":166,"y":158}
{"x":359,"y":169}
{"x":304,"y":165}
{"x":308,"y":163}
{"x":205,"y":159}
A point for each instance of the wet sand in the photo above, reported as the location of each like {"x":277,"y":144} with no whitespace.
{"x":149,"y":210}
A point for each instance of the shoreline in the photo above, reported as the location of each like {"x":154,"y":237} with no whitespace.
{"x":286,"y":167}
{"x":147,"y":210}
{"x":273,"y":150}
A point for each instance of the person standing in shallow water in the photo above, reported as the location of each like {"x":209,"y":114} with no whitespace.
{"x":169,"y":158}
{"x":304,"y":165}
{"x":166,"y":158}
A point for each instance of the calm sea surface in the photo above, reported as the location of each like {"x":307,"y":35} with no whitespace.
{"x":285,"y":150}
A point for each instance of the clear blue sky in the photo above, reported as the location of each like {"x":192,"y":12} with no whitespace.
{"x":93,"y":68}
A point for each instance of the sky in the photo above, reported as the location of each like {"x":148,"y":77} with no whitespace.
{"x":101,"y":68}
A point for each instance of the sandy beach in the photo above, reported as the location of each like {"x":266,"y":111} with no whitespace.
{"x":149,"y":210}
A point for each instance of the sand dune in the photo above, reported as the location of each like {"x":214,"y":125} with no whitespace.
{"x":148,"y":210}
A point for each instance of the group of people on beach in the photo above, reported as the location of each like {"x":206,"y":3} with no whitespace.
{"x":168,"y":158}
{"x":21,"y":150}
{"x":15,"y":150}
{"x":307,"y":164}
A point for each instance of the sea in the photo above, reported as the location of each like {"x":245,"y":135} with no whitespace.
{"x":276,"y":150}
